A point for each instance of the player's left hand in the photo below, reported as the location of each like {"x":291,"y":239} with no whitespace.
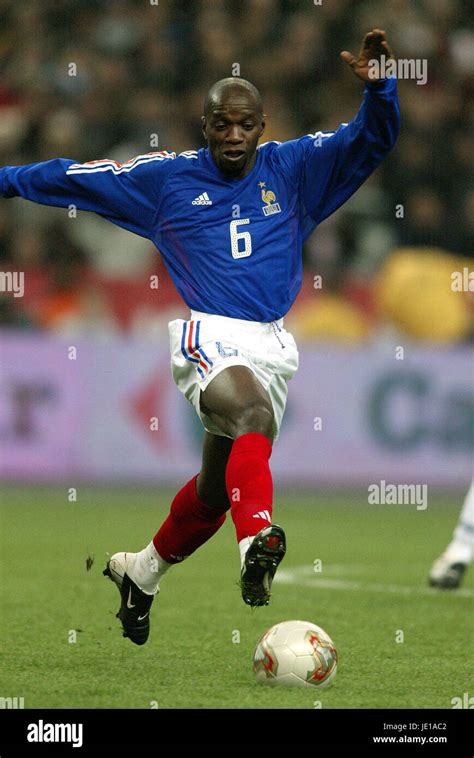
{"x":373,"y":47}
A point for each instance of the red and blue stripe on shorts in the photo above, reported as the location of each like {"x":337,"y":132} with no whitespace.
{"x":191,"y":349}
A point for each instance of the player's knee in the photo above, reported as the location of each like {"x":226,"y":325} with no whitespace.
{"x":255,"y":417}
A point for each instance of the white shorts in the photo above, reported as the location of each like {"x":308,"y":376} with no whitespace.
{"x":206,"y":345}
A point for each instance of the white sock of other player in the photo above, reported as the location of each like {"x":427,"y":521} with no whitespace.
{"x":461,"y":548}
{"x":147,"y":569}
{"x":243,"y":547}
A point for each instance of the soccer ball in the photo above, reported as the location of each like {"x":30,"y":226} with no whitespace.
{"x":295,"y":654}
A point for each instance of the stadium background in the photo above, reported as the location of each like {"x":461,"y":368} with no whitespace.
{"x":384,"y":390}
{"x":386,"y":361}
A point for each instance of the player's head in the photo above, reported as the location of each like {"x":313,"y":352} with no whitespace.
{"x":232,"y":124}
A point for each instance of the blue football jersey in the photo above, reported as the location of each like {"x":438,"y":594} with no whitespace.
{"x":233,"y":247}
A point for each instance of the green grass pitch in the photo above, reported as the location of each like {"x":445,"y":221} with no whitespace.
{"x":371,"y":592}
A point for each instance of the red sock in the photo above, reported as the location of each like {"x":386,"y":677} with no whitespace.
{"x":249,"y":484}
{"x":190,"y":523}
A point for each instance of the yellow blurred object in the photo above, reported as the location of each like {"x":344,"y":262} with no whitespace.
{"x":413,"y":291}
{"x":329,"y":317}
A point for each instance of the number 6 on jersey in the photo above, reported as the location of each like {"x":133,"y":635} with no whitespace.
{"x":235,"y":236}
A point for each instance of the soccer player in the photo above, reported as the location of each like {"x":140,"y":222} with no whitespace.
{"x":229,"y":221}
{"x":448,"y":570}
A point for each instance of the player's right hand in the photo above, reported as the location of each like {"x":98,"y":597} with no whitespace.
{"x":373,"y":47}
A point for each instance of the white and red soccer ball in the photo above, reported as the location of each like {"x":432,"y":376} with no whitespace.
{"x":295,"y":654}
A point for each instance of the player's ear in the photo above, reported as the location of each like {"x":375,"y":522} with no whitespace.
{"x":263,"y":123}
{"x":203,"y":126}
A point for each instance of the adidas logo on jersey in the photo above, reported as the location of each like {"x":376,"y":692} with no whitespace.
{"x":263,"y":514}
{"x":203,"y":199}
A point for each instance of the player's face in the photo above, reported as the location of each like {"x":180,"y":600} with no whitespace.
{"x":232,"y":129}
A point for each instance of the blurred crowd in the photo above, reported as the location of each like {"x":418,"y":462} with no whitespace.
{"x":88,"y":79}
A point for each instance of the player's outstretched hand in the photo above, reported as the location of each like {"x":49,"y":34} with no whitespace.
{"x":373,"y":47}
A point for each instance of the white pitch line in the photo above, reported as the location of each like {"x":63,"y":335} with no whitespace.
{"x":300,"y":575}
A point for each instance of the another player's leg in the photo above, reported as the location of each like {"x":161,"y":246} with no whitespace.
{"x":239,"y":405}
{"x":197,"y":512}
{"x":448,"y":570}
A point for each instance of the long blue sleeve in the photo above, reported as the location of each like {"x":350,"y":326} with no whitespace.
{"x":221,"y":263}
{"x":126,"y":194}
{"x":330,"y":166}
